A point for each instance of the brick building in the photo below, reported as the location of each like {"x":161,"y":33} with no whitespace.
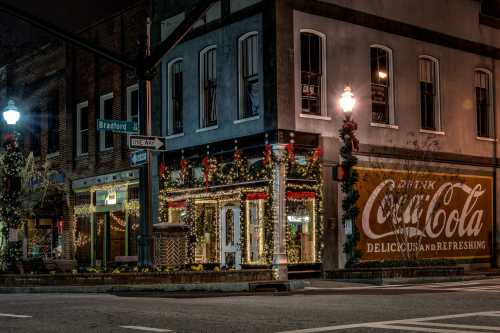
{"x":62,"y":91}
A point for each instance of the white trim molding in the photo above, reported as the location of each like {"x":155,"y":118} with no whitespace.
{"x":206,"y":129}
{"x":431,"y":132}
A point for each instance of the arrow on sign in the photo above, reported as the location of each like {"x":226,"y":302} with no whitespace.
{"x":138,"y":157}
{"x":148,"y":142}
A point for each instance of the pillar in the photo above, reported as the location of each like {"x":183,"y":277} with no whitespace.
{"x":280,"y":260}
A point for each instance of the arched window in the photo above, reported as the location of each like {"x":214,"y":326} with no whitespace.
{"x":208,"y":86}
{"x":249,"y":86}
{"x":175,"y":97}
{"x":382,"y":84}
{"x":484,"y":99}
{"x":429,"y":93}
{"x":312,"y":72}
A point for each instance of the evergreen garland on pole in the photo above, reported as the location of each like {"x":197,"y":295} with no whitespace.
{"x":350,"y":144}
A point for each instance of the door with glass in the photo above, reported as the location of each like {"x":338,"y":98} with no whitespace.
{"x":230,"y":237}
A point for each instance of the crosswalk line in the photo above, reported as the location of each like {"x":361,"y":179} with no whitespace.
{"x":459,"y":326}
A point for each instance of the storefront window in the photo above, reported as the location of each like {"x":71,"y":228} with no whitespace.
{"x":177,"y":212}
{"x":82,"y":240}
{"x":133,"y":232}
{"x":255,"y":230}
{"x":206,"y":226}
{"x":229,"y":227}
{"x":300,"y":235}
{"x":117,"y":228}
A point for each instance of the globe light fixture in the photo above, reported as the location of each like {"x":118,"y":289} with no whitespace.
{"x":347,"y":100}
{"x":11,"y":113}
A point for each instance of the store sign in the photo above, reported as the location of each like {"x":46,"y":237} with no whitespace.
{"x":434,"y":215}
{"x":114,"y":196}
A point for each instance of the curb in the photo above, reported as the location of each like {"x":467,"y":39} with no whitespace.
{"x":222,"y":287}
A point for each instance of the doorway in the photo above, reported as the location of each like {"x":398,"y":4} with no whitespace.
{"x":230,"y":237}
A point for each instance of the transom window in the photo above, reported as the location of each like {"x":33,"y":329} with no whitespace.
{"x":484,"y":113}
{"x":311,"y":69}
{"x":381,"y":84}
{"x":429,"y":93}
{"x":208,"y":86}
{"x":249,"y":76}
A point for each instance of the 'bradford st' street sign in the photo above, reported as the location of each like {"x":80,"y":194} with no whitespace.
{"x":147,"y":142}
{"x":117,"y":126}
{"x":138,"y":157}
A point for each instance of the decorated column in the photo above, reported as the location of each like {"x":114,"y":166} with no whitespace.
{"x":279,"y":211}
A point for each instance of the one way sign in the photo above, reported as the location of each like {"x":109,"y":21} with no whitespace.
{"x":157,"y":143}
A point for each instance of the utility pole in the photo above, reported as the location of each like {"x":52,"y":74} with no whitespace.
{"x":144,"y":66}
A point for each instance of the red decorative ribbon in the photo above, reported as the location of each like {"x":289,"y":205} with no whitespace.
{"x":206,"y":170}
{"x":257,"y":196}
{"x":291,"y":152}
{"x":316,"y":155}
{"x":268,"y":155}
{"x":300,"y":195}
{"x":177,"y":204}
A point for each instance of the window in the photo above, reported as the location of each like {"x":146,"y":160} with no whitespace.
{"x":381,"y":84}
{"x":106,"y":112}
{"x":208,"y":86}
{"x":82,"y":129}
{"x":176,"y":95}
{"x":53,"y":124}
{"x":312,"y":67}
{"x":249,"y":88}
{"x":484,"y":113}
{"x":429,"y":93}
{"x":133,"y":104}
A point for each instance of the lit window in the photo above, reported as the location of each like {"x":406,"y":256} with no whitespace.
{"x":208,"y":86}
{"x":82,"y":129}
{"x":381,"y":84}
{"x":429,"y":93}
{"x":311,"y":69}
{"x":484,"y":113}
{"x":249,"y":75}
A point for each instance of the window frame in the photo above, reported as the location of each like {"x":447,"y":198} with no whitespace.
{"x":241,"y":92}
{"x":202,"y":122}
{"x":390,"y":90}
{"x":79,"y":107}
{"x":437,"y":95}
{"x":130,"y":89}
{"x":170,"y":104}
{"x":102,"y":134}
{"x":491,"y":115}
{"x":323,"y":91}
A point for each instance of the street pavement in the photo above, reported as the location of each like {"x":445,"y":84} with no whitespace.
{"x":455,"y":307}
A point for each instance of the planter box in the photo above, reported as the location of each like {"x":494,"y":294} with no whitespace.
{"x":91,"y":279}
{"x":396,"y":274}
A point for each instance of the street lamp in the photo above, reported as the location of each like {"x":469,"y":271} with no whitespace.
{"x":11,"y":113}
{"x":349,"y":178}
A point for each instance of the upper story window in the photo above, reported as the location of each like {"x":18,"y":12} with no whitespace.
{"x":106,"y":112}
{"x":312,"y":68}
{"x":208,"y":86}
{"x":429,"y":93}
{"x":249,"y":87}
{"x":484,"y":97}
{"x":53,"y":124}
{"x":381,"y":85}
{"x":175,"y":97}
{"x":133,"y":104}
{"x":82,"y":129}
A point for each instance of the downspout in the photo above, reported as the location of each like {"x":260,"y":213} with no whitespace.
{"x":495,"y":147}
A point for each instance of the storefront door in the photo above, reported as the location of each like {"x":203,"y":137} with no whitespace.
{"x":230,"y":237}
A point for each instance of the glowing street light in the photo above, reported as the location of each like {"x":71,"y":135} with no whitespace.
{"x":347,"y":100}
{"x":11,"y":113}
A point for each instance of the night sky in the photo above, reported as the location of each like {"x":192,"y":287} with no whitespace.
{"x":17,"y":37}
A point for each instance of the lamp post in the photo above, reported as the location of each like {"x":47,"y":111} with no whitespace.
{"x":10,"y":200}
{"x":349,"y":179}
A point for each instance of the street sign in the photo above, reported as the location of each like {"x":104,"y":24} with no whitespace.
{"x":158,"y":143}
{"x":138,"y":157}
{"x":117,"y":126}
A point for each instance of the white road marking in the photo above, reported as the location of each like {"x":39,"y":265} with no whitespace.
{"x":148,"y":329}
{"x":394,"y":323}
{"x":420,"y":329}
{"x":472,"y":327}
{"x":13,"y":315}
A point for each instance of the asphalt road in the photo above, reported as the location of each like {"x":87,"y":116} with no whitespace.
{"x":472,"y":306}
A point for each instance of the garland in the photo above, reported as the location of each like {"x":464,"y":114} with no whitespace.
{"x":351,"y":143}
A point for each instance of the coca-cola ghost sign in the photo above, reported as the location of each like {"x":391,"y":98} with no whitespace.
{"x":433,"y":215}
